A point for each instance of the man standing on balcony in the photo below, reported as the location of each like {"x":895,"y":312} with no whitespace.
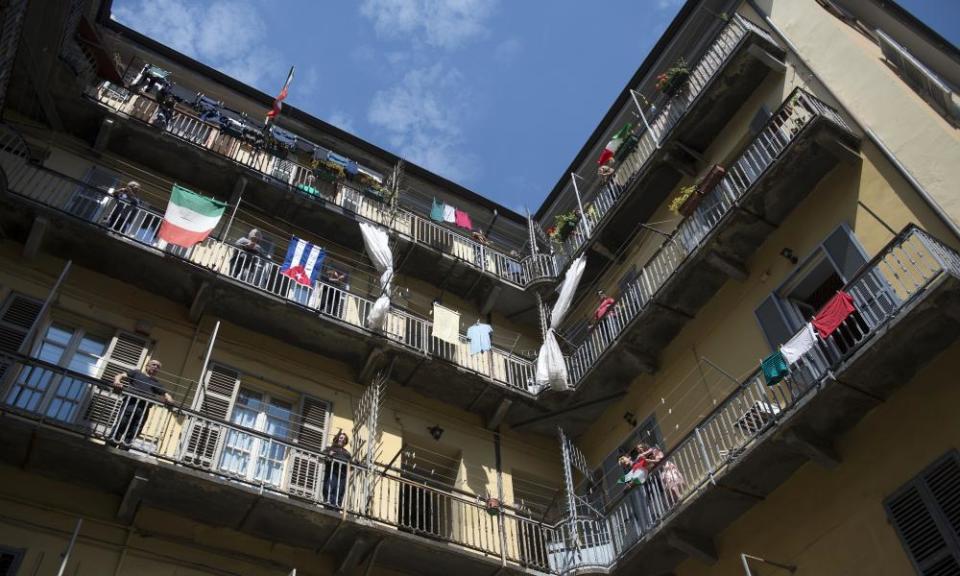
{"x":126,"y":203}
{"x":144,"y":386}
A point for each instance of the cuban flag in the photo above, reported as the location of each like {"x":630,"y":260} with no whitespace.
{"x":303,"y":261}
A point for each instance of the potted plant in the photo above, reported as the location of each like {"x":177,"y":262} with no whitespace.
{"x":674,"y":79}
{"x":493,"y":505}
{"x":686,"y":200}
{"x":329,"y":171}
{"x":564,"y":224}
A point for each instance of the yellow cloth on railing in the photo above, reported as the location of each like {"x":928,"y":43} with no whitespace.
{"x":446,"y":324}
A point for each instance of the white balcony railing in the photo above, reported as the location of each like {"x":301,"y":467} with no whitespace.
{"x":286,"y":172}
{"x":262,"y":274}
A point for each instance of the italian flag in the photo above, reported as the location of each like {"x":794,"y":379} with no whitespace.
{"x":190,"y":217}
{"x":614,"y":144}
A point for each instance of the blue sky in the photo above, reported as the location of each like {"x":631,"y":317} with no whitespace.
{"x":496,"y":95}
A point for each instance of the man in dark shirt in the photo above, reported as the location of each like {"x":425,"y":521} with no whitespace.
{"x":143,"y":385}
{"x":335,"y":475}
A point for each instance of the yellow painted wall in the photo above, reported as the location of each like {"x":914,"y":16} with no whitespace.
{"x":832,"y":522}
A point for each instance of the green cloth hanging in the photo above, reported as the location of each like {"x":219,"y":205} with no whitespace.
{"x":774,"y":368}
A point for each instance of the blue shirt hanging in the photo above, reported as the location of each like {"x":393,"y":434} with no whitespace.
{"x":479,"y":336}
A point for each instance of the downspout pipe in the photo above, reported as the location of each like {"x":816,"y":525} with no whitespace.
{"x":875,"y":139}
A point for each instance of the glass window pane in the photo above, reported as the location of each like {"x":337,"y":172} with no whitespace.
{"x":59,"y":334}
{"x":92,"y":345}
{"x":50,"y":352}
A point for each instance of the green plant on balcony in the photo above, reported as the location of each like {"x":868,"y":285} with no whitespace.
{"x":674,"y":79}
{"x":686,"y":200}
{"x":563,"y":225}
{"x":328,"y":171}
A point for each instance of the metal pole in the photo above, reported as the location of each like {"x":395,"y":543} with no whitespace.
{"x":73,"y":540}
{"x":500,"y":521}
{"x":206,"y":362}
{"x":233,"y":214}
{"x":643,"y":117}
{"x":25,"y":345}
{"x":576,"y":191}
{"x":745,"y":558}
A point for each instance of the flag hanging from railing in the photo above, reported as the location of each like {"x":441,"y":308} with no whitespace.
{"x":190,"y":217}
{"x":303,"y":262}
{"x":278,"y":101}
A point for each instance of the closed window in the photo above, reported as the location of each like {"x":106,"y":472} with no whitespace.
{"x":926,"y":515}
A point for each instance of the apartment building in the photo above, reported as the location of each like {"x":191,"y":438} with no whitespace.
{"x":749,"y":274}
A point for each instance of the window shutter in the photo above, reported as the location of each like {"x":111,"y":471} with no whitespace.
{"x":17,"y":315}
{"x":215,"y":401}
{"x":306,"y":465}
{"x":925,"y":516}
{"x":844,"y":253}
{"x":772,"y":321}
{"x":125,"y":354}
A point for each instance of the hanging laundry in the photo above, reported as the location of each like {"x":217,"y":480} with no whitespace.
{"x":462,"y":219}
{"x":614,"y":144}
{"x":603,"y":309}
{"x":338,"y":159}
{"x":352,"y":168}
{"x":479,"y":336}
{"x":801,"y":343}
{"x":449,"y":214}
{"x":436,"y":211}
{"x":303,"y":262}
{"x":446,"y":324}
{"x":774,"y":368}
{"x":833,"y":313}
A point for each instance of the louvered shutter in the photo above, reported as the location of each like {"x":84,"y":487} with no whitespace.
{"x":126,"y":353}
{"x":772,"y":322}
{"x":215,"y":402}
{"x":19,"y":312}
{"x":926,"y":515}
{"x":844,"y":253}
{"x":306,"y":466}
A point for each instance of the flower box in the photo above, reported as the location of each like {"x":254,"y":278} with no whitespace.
{"x":686,"y":201}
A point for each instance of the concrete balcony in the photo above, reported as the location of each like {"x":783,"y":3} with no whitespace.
{"x":907,"y":301}
{"x":193,"y":150}
{"x":76,"y":221}
{"x":800,"y":144}
{"x":182,"y":461}
{"x":733,"y":66}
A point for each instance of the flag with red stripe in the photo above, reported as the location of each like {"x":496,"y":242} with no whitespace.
{"x":278,"y":102}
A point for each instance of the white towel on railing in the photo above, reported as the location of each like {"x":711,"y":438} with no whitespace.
{"x":377,"y":243}
{"x":446,"y":324}
{"x":801,"y":343}
{"x":551,"y":366}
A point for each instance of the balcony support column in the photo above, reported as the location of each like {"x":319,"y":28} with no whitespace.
{"x":735,"y":270}
{"x":132,"y":497}
{"x":35,"y":238}
{"x":696,"y":545}
{"x":103,"y":135}
{"x":814,"y":447}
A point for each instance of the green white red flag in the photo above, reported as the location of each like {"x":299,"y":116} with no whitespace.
{"x":190,"y":217}
{"x":278,"y":101}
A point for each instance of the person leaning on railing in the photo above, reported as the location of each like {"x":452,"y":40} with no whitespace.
{"x":127,"y":201}
{"x":247,"y":256}
{"x":133,"y":411}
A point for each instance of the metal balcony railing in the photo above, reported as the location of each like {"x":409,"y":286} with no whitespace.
{"x":671,"y":112}
{"x":275,"y":463}
{"x":887,"y":285}
{"x":332,"y":302}
{"x":186,"y":125}
{"x":783,"y":128}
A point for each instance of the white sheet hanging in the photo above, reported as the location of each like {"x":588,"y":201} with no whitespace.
{"x":551,"y":367}
{"x":377,"y":243}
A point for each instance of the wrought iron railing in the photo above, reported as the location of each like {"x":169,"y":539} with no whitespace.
{"x":661,"y":125}
{"x":332,"y":302}
{"x":186,"y":125}
{"x":782,"y":129}
{"x":902,"y":272}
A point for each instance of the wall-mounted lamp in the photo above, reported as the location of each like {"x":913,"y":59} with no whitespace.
{"x":789,"y":255}
{"x":436,"y":431}
{"x":631,"y":419}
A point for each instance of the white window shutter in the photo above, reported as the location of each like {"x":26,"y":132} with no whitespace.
{"x":215,"y":400}
{"x":125,"y":354}
{"x":306,"y":466}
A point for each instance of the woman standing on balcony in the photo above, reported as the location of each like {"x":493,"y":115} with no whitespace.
{"x":335,"y":474}
{"x":669,"y":474}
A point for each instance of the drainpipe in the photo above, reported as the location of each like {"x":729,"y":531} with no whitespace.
{"x":871,"y":135}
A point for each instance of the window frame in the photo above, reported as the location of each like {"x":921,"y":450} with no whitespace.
{"x":18,"y":556}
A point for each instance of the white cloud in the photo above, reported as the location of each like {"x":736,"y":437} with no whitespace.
{"x":229,"y":35}
{"x":342,"y":120}
{"x":422,"y":116}
{"x":440,"y":23}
